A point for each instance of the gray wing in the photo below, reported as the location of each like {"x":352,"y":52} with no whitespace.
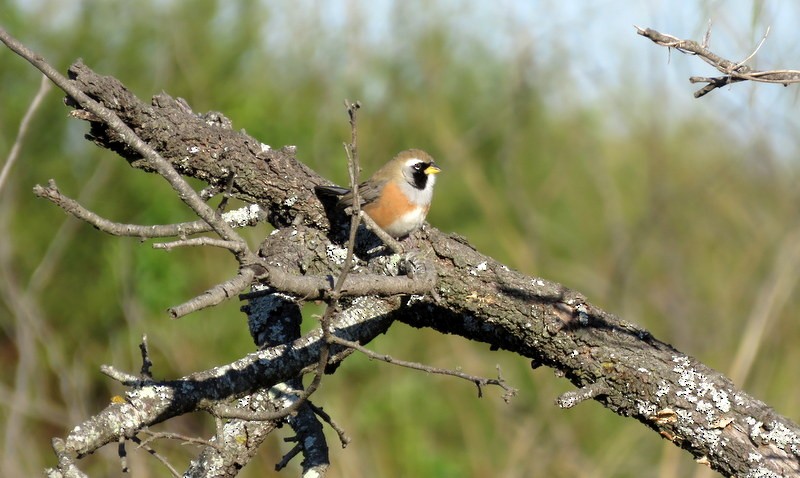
{"x":368,"y":191}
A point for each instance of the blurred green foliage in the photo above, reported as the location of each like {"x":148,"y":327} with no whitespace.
{"x":681,"y":229}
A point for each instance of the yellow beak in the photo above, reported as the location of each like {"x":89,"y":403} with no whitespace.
{"x":432,"y":169}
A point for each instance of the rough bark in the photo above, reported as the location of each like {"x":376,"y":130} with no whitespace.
{"x":611,"y":361}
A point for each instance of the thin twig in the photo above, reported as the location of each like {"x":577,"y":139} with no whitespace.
{"x":151,"y":436}
{"x":147,"y":364}
{"x":354,"y":169}
{"x":351,"y":150}
{"x":125,"y":378}
{"x":573,"y":397}
{"x":226,"y":194}
{"x":157,"y":456}
{"x":246,"y":216}
{"x":344,"y":438}
{"x":288,"y":457}
{"x":66,"y":465}
{"x":44,"y":87}
{"x":215,"y":295}
{"x":763,"y":39}
{"x":123,"y":454}
{"x":707,"y":36}
{"x":479,"y":382}
{"x":233,"y":246}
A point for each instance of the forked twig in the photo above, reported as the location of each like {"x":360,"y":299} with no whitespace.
{"x":479,"y":382}
{"x":733,"y":72}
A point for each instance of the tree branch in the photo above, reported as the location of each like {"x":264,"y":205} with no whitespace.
{"x":156,"y":402}
{"x":474,"y":296}
{"x":734,"y":72}
{"x":479,"y":382}
{"x":246,"y":216}
{"x":215,"y":295}
{"x":164,"y":168}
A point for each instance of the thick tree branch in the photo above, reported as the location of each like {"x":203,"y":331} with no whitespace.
{"x":156,"y":402}
{"x":273,"y":320}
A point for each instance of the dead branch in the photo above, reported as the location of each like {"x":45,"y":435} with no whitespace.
{"x":733,"y":72}
{"x":156,"y":402}
{"x":235,"y":247}
{"x":474,"y":296}
{"x":239,"y":218}
{"x":479,"y":382}
{"x":66,"y":464}
{"x":215,"y":295}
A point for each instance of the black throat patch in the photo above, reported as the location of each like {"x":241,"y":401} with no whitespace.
{"x":420,"y":179}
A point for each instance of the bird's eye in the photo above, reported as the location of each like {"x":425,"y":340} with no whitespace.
{"x":419,"y":166}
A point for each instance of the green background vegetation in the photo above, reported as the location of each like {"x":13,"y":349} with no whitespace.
{"x":670,"y":219}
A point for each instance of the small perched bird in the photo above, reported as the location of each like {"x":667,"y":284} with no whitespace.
{"x":397,"y":197}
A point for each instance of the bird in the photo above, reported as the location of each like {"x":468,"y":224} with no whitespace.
{"x":396,"y":197}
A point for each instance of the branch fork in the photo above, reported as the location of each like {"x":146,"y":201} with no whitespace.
{"x":733,"y":72}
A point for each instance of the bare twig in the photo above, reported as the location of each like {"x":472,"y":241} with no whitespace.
{"x":288,"y":457}
{"x":125,"y":378}
{"x":44,"y":87}
{"x":151,"y":436}
{"x":751,"y":55}
{"x":733,"y":72}
{"x":573,"y":397}
{"x":353,"y":167}
{"x":247,"y":216}
{"x":233,"y":246}
{"x":58,"y":248}
{"x":344,"y":438}
{"x":351,"y":149}
{"x":157,"y":456}
{"x":479,"y":382}
{"x":123,"y":454}
{"x":215,"y":295}
{"x":707,"y":36}
{"x":147,"y":364}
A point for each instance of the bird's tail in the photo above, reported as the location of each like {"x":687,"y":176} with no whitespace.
{"x":331,"y":191}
